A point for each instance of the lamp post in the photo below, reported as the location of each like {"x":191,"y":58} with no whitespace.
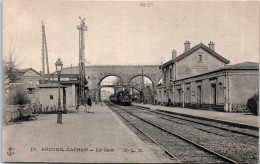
{"x":59,"y":65}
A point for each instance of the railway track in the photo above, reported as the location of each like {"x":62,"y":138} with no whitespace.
{"x":229,"y":128}
{"x":241,"y":148}
{"x":183,"y":149}
{"x":172,"y":157}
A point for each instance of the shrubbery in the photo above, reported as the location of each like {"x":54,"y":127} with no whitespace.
{"x":252,"y":104}
{"x":17,"y":96}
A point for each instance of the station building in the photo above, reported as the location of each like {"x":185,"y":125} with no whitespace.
{"x":200,"y":78}
{"x":29,"y":80}
{"x":49,"y":96}
{"x":69,"y":91}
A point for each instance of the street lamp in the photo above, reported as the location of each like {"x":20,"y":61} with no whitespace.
{"x":59,"y":65}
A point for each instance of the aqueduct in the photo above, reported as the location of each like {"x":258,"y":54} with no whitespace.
{"x":95,"y":75}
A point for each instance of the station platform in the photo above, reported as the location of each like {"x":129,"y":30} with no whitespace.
{"x":82,"y":137}
{"x":236,"y":118}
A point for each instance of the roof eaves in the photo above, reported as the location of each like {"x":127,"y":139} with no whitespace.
{"x":166,"y":64}
{"x":27,"y":69}
{"x":215,"y":54}
{"x":200,"y":45}
{"x":206,"y":73}
{"x":187,"y":52}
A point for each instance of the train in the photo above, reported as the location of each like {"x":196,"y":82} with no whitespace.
{"x":121,"y":98}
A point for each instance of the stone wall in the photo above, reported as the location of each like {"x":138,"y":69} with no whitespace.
{"x":243,"y":87}
{"x":50,"y":102}
{"x":190,"y":66}
{"x":95,"y":74}
{"x":10,"y":113}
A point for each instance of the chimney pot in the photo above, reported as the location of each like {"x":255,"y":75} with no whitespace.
{"x":212,"y":45}
{"x":174,"y":54}
{"x":186,"y":46}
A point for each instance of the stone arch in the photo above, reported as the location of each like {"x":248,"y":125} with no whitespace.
{"x":107,"y":75}
{"x":152,"y":80}
{"x":97,"y":73}
{"x":97,"y":90}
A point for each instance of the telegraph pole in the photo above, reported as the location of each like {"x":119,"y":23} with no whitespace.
{"x":44,"y":51}
{"x":82,"y":28}
{"x":43,"y":47}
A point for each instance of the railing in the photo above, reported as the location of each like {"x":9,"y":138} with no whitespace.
{"x":121,"y":84}
{"x":124,"y":84}
{"x":139,"y":86}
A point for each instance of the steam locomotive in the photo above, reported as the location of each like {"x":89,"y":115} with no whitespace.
{"x":121,"y":98}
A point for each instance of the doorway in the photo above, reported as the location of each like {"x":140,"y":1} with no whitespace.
{"x":187,"y":95}
{"x":213,"y":94}
{"x":199,"y":95}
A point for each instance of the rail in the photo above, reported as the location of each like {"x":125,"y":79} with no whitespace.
{"x":164,"y":149}
{"x":198,"y":121}
{"x":185,"y":139}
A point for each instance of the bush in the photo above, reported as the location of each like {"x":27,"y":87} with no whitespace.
{"x":252,"y":104}
{"x":17,"y":96}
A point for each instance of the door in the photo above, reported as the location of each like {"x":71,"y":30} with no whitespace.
{"x":213,"y":94}
{"x":179,"y":94}
{"x":199,"y":95}
{"x":187,"y":96}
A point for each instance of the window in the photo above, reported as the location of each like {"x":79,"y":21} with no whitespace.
{"x":31,"y":90}
{"x":51,"y":97}
{"x":170,"y":74}
{"x":200,"y":57}
{"x":164,"y":76}
{"x":30,"y":73}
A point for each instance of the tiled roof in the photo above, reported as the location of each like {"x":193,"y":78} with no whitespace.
{"x":24,"y":70}
{"x":243,"y":66}
{"x":193,"y":49}
{"x":28,"y":69}
{"x":70,"y":82}
{"x":63,"y":75}
{"x":51,"y":85}
{"x":239,"y":66}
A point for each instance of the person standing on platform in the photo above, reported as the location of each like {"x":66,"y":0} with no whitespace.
{"x":89,"y":104}
{"x":86,"y":104}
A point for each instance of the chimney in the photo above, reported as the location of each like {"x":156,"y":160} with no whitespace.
{"x":174,"y":54}
{"x":186,"y":46}
{"x":211,"y":45}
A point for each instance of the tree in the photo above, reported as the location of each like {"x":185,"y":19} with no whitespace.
{"x":11,"y":72}
{"x":252,"y":104}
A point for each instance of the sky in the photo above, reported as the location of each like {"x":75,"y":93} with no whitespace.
{"x":128,"y":33}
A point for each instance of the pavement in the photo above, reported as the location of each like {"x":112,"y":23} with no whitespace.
{"x":82,"y":137}
{"x":239,"y":118}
